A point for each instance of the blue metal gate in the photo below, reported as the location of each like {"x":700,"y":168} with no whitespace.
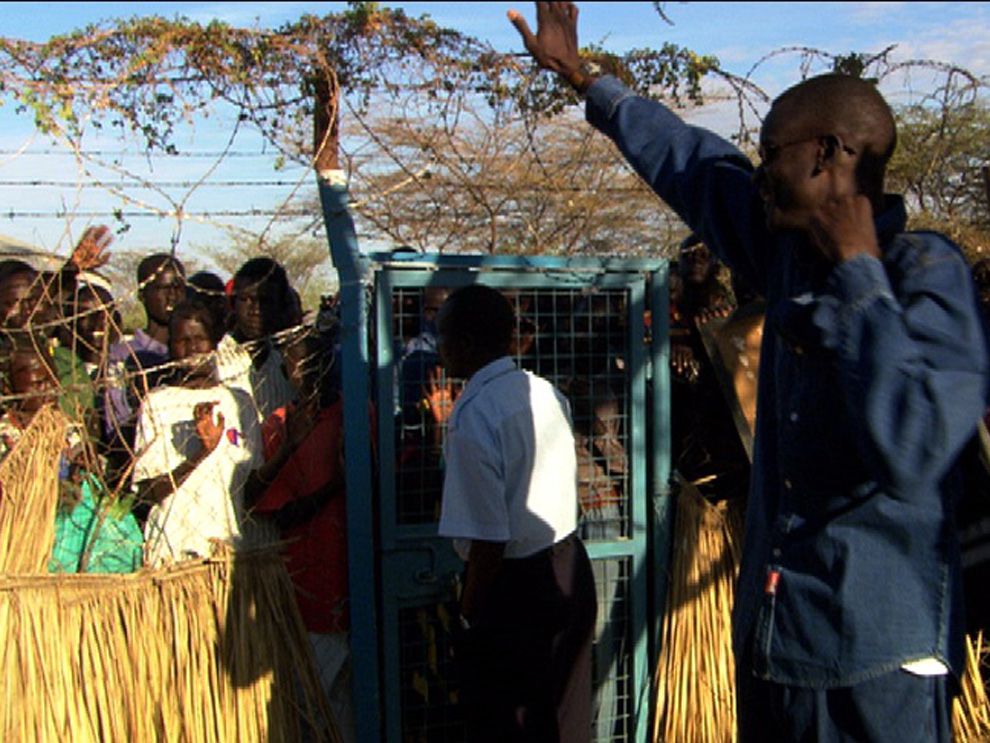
{"x":580,"y":323}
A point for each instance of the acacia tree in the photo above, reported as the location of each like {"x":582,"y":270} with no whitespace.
{"x":142,"y":77}
{"x":450,"y":144}
{"x":503,"y":186}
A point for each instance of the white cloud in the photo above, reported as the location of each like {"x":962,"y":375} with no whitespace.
{"x":875,"y":11}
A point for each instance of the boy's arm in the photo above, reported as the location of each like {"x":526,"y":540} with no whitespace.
{"x":209,"y":432}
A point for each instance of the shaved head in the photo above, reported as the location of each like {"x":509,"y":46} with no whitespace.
{"x":849,"y":107}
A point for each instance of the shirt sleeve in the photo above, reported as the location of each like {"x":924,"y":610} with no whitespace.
{"x":912,"y":359}
{"x":150,"y":445}
{"x":705,"y":179}
{"x":474,"y":503}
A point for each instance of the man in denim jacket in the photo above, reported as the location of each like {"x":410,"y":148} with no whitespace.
{"x":848,"y":616}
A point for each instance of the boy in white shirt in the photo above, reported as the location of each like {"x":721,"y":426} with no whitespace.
{"x":510,"y":502}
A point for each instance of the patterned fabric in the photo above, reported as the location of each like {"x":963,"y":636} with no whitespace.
{"x":95,"y":535}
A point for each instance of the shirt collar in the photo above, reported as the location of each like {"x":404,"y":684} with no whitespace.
{"x":892,"y":220}
{"x":489,"y":371}
{"x":486,"y":374}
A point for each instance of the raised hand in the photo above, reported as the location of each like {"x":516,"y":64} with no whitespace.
{"x":683,"y":363}
{"x":439,"y":395}
{"x":554,"y":46}
{"x":208,"y":431}
{"x":90,"y":251}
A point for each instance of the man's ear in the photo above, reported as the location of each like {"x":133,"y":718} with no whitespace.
{"x":826,"y":154}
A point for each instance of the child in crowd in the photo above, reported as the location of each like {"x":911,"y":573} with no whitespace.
{"x":196,"y":443}
{"x":92,"y":533}
{"x":247,"y":359}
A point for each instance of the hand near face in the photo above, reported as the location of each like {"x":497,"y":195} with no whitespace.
{"x":208,"y":430}
{"x":842,"y":226}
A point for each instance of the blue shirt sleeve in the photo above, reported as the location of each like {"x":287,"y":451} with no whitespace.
{"x":911,"y":356}
{"x":706,"y":180}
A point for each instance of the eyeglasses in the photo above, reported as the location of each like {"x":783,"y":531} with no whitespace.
{"x":768,"y":153}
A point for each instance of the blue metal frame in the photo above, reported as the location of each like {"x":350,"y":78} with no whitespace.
{"x":375,"y":685}
{"x":353,"y":272}
{"x":662,"y":511}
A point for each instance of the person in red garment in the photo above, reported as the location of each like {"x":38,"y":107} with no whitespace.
{"x":300,"y":488}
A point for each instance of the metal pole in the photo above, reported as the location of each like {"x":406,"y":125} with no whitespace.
{"x":353,"y":273}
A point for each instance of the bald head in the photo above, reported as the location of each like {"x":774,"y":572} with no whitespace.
{"x":849,"y":107}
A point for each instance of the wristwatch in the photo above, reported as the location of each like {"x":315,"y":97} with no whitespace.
{"x":586,"y":73}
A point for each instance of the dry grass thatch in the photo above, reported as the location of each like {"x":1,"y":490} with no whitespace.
{"x":29,"y":481}
{"x":971,"y":709}
{"x":206,"y":650}
{"x":696,"y":657}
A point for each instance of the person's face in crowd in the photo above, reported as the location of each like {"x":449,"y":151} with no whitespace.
{"x":189,"y":341}
{"x":164,"y":290}
{"x":787,"y":179}
{"x":32,"y":377}
{"x":15,"y":299}
{"x":91,"y":325}
{"x":606,"y":421}
{"x":256,"y":309}
{"x":696,"y":263}
{"x":433,"y":299}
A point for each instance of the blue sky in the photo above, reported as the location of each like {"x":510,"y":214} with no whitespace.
{"x":738,"y":33}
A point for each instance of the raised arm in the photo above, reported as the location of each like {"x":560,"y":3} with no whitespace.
{"x":706,"y":180}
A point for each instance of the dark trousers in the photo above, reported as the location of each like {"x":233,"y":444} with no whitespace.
{"x":898,"y":707}
{"x":526,"y":662}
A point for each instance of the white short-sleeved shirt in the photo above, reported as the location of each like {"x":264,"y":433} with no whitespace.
{"x":209,"y":503}
{"x":511,"y":468}
{"x":267,"y":386}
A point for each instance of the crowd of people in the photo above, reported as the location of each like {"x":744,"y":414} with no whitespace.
{"x":219,"y":419}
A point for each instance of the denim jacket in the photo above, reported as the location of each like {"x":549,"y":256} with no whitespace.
{"x":873,"y":376}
